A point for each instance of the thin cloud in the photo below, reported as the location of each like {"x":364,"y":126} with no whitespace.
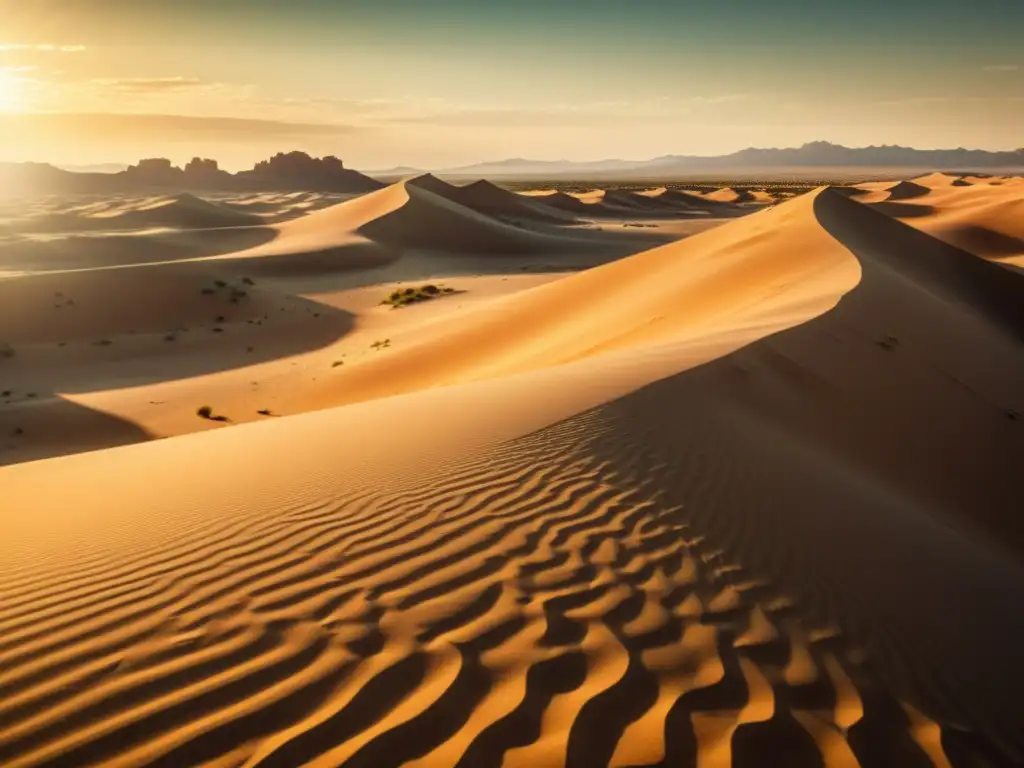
{"x":725,"y":98}
{"x":914,"y":101}
{"x":1002,"y":68}
{"x":144,"y":85}
{"x":141,"y":126}
{"x":42,"y":47}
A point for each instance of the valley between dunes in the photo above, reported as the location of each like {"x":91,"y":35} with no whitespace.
{"x":665,"y":479}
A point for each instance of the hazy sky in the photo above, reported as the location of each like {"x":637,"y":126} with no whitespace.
{"x":435,"y":83}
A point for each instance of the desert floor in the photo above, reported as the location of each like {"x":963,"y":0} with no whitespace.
{"x":629,"y":478}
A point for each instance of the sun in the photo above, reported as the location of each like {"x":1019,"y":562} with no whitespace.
{"x":10,"y":92}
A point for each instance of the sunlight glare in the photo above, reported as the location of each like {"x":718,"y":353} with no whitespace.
{"x":10,"y":92}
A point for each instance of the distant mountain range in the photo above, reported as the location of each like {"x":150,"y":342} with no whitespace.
{"x":293,"y":171}
{"x":820,"y":155}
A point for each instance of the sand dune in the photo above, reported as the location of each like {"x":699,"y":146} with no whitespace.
{"x":985,"y":219}
{"x":730,"y":195}
{"x":749,"y":498}
{"x":559,"y":200}
{"x":619,"y":203}
{"x":939,"y":180}
{"x":420,"y":213}
{"x":907,"y":190}
{"x":280,"y":206}
{"x":489,"y":199}
{"x":181,"y":211}
{"x":630,"y":200}
{"x":678,"y":197}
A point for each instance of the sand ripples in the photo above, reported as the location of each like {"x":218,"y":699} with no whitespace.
{"x":536,"y":606}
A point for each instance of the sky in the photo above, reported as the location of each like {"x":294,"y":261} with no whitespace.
{"x":441,"y":83}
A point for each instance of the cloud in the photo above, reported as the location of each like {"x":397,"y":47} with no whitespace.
{"x":42,"y":47}
{"x":494,"y":117}
{"x":143,"y":85}
{"x":114,"y":127}
{"x":1002,"y":68}
{"x":725,"y":98}
{"x":914,"y":101}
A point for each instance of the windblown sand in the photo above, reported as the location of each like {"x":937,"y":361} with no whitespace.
{"x":751,"y":497}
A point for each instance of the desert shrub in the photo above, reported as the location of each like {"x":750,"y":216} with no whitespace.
{"x":248,"y":281}
{"x":220,"y":283}
{"x":204,"y":412}
{"x":405,"y":296}
{"x":207,"y":291}
{"x":336,"y":363}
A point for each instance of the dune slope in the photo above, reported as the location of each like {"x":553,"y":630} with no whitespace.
{"x":417,"y":214}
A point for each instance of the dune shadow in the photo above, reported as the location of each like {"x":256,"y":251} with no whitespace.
{"x":76,"y":333}
{"x":984,"y":241}
{"x":903,"y":210}
{"x":908,"y":190}
{"x":317,"y":263}
{"x":943,"y":268}
{"x":40,"y":429}
{"x":106,"y":249}
{"x":37,"y":421}
{"x":137,"y":359}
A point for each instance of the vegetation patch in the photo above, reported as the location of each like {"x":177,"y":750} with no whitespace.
{"x":406,"y":296}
